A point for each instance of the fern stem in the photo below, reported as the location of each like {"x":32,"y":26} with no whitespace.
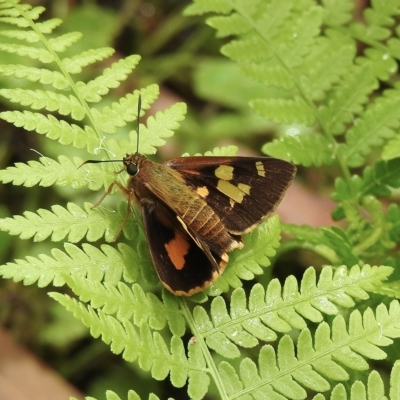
{"x":368,"y":242}
{"x":63,"y":71}
{"x":320,"y":249}
{"x":212,"y":367}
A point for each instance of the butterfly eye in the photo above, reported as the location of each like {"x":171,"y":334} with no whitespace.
{"x":132,"y":169}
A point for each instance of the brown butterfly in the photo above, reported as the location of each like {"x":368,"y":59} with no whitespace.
{"x":195,"y":210}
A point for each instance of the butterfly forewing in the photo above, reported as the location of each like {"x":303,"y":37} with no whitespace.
{"x":241,"y":190}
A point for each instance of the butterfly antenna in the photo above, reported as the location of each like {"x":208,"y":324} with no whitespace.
{"x":137,"y":143}
{"x":138,"y":120}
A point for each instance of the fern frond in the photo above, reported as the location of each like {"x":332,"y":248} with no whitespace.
{"x":260,"y":246}
{"x":392,"y":149}
{"x":289,"y":375}
{"x":330,"y":58}
{"x":50,"y":101}
{"x":282,"y":309}
{"x":274,"y":76}
{"x":60,"y":222}
{"x":149,"y":349}
{"x":54,"y":128}
{"x":374,"y":388}
{"x":161,"y":125}
{"x":63,"y":42}
{"x":18,"y":16}
{"x":42,"y":75}
{"x":130,"y":303}
{"x":26,"y":51}
{"x":338,"y":12}
{"x":75,"y":64}
{"x":48,"y":26}
{"x":377,"y":123}
{"x":93,"y":90}
{"x":348,"y":99}
{"x":233,"y":24}
{"x":47,"y":172}
{"x":199,"y":7}
{"x":132,"y":395}
{"x":109,"y":118}
{"x":30,"y":37}
{"x":380,"y":178}
{"x":284,"y":111}
{"x":108,"y":263}
{"x":296,"y":149}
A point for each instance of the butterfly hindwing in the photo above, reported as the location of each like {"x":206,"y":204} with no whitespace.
{"x":182,"y":265}
{"x":241,"y":190}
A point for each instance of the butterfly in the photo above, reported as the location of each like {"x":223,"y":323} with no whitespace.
{"x":196,"y":209}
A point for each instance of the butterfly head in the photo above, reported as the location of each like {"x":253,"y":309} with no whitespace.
{"x":132,"y":163}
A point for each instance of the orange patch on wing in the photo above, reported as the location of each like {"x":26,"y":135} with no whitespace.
{"x":177,"y":248}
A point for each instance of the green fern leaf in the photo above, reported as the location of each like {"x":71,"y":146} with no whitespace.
{"x":53,"y":128}
{"x":238,"y":50}
{"x":373,"y":390}
{"x":125,"y":105}
{"x":377,"y":124}
{"x":39,"y":99}
{"x":284,"y":111}
{"x":338,"y":12}
{"x":49,"y":25}
{"x":47,"y":172}
{"x":378,"y":17}
{"x":289,"y":375}
{"x":282,"y":309}
{"x":348,"y":99}
{"x":150,"y":350}
{"x":107,"y":264}
{"x":199,"y":381}
{"x":110,"y":79}
{"x":296,"y":149}
{"x":395,"y":381}
{"x":28,"y":36}
{"x":45,"y":76}
{"x":61,"y":43}
{"x":392,"y":149}
{"x":248,"y":263}
{"x":160,"y":126}
{"x":233,"y":24}
{"x":60,"y":222}
{"x":25,"y":51}
{"x":109,"y":118}
{"x":382,"y":63}
{"x":199,"y":7}
{"x":330,"y":58}
{"x":275,"y":76}
{"x":75,"y":64}
{"x":129,"y":303}
{"x":380,"y":178}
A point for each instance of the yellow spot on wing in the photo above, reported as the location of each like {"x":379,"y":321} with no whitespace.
{"x":260,"y":168}
{"x":244,"y":188}
{"x":177,"y":248}
{"x":231,"y":191}
{"x":224,"y":172}
{"x":202,"y":191}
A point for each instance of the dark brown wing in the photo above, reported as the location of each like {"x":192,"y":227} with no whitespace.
{"x":241,"y":190}
{"x":181,"y":264}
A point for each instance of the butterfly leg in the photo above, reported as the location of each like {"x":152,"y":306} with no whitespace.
{"x":131,"y":196}
{"x":109,"y":190}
